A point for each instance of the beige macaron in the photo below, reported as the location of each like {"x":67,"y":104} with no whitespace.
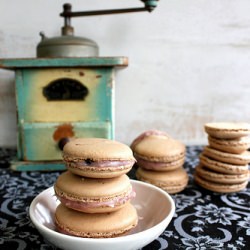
{"x":227,"y":130}
{"x":171,"y":181}
{"x":222,"y":178}
{"x":93,"y":195}
{"x":98,"y":157}
{"x":237,"y":159}
{"x":222,"y":167}
{"x":104,"y":225}
{"x":155,"y":150}
{"x":234,"y":146}
{"x":219,"y":187}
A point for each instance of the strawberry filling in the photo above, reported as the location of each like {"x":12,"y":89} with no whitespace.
{"x":153,"y":165}
{"x":83,"y":205}
{"x":101,"y":164}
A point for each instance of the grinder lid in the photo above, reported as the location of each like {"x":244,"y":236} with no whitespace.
{"x":66,"y":45}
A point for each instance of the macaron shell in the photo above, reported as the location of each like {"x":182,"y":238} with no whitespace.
{"x":92,"y":188}
{"x":96,"y":149}
{"x":238,"y":159}
{"x":234,"y":146}
{"x":221,"y":178}
{"x":220,"y":188}
{"x":79,"y":189}
{"x":170,"y":181}
{"x":159,"y":149}
{"x":146,"y":134}
{"x":104,"y":225}
{"x":222,"y":167}
{"x":227,"y":130}
{"x":99,"y":173}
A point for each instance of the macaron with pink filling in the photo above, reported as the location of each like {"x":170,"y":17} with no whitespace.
{"x":101,"y":225}
{"x":93,"y":195}
{"x":98,"y":157}
{"x":156,"y":150}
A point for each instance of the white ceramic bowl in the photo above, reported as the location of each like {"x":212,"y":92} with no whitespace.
{"x":155,"y":209}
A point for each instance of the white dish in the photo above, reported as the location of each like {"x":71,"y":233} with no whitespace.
{"x":155,"y":209}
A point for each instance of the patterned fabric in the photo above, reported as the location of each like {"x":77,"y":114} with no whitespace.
{"x":203,"y":219}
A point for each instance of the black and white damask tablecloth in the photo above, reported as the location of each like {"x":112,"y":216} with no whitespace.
{"x":203,"y":219}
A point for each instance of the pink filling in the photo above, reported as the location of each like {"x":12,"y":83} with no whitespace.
{"x":81,"y":205}
{"x":102,"y":164}
{"x":150,"y":165}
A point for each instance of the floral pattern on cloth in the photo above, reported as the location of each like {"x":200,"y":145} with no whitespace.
{"x":203,"y":219}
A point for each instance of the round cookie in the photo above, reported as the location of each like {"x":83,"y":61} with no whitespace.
{"x":219,"y":187}
{"x":171,"y":181}
{"x":222,"y":178}
{"x":227,"y":130}
{"x":237,"y":159}
{"x":222,"y":167}
{"x":155,"y":150}
{"x":234,"y":146}
{"x":97,"y":157}
{"x":93,"y":195}
{"x":104,"y":225}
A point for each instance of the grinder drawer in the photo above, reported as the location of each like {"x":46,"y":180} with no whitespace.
{"x":39,"y":141}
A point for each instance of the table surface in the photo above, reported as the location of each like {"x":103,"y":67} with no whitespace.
{"x":203,"y":219}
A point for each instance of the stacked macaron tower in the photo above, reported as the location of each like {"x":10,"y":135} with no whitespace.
{"x":160,"y":160}
{"x":95,"y":191}
{"x":223,"y":165}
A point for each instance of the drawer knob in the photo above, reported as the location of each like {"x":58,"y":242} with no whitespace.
{"x":62,"y":142}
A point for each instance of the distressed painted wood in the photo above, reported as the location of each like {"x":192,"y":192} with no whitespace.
{"x":37,"y":166}
{"x":64,"y":62}
{"x":41,"y":139}
{"x":34,"y":107}
{"x":60,"y":98}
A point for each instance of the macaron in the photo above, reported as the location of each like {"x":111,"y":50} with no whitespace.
{"x":227,"y":130}
{"x":171,"y":181}
{"x":234,"y":146}
{"x":104,"y":225}
{"x":222,"y":167}
{"x":219,"y":187}
{"x":98,"y":157}
{"x":156,"y":150}
{"x":93,"y":195}
{"x":237,"y":159}
{"x":222,"y":178}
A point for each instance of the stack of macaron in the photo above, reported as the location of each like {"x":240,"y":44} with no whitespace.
{"x":160,"y":160}
{"x":95,"y":191}
{"x":223,"y":164}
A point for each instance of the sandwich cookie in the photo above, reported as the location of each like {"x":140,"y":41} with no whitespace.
{"x":171,"y":181}
{"x":104,"y":225}
{"x":237,"y":159}
{"x":234,"y":146}
{"x":93,"y":195}
{"x":155,"y":150}
{"x":227,"y":130}
{"x":222,"y":178}
{"x":219,"y":187}
{"x":222,"y":167}
{"x":97,"y":157}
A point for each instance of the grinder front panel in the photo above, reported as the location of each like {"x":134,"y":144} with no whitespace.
{"x":59,"y":103}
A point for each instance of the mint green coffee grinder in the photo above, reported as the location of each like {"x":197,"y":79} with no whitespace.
{"x":66,"y":92}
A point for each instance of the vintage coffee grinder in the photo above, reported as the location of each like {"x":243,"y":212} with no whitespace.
{"x":66,"y":92}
